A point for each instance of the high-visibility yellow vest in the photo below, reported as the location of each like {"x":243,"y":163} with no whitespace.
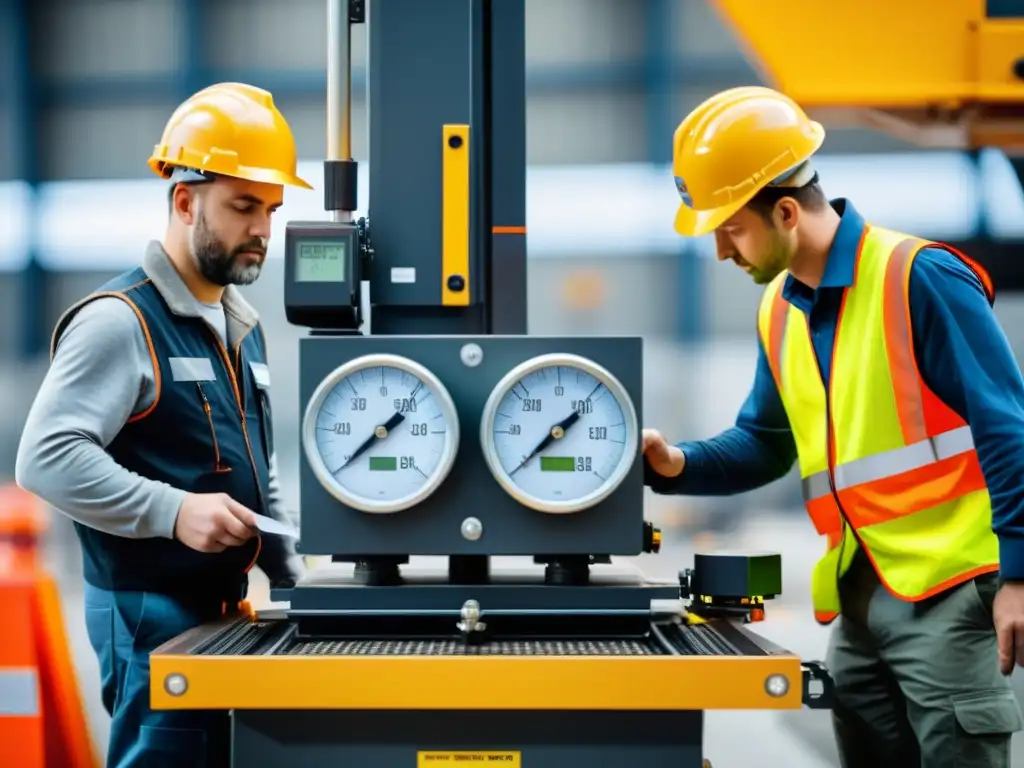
{"x":885,"y":465}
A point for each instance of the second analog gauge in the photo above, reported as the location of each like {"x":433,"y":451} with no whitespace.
{"x":380,"y":433}
{"x":559,"y":433}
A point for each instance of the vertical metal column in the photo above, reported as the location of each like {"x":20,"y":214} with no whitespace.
{"x":191,"y":75}
{"x":503,"y":116}
{"x":25,"y":102}
{"x":661,"y":122}
{"x":458,"y":43}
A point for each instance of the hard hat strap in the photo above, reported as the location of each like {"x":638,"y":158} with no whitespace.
{"x":183,"y":175}
{"x":800,"y":176}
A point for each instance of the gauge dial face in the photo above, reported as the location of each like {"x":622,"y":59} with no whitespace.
{"x":559,"y":433}
{"x":381,"y":433}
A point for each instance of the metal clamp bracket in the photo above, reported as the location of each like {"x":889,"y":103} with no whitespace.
{"x":470,"y":625}
{"x":819,"y":688}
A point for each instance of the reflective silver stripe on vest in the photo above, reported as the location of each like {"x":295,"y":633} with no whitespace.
{"x":19,"y":693}
{"x":890,"y":463}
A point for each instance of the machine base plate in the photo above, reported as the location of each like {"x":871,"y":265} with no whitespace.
{"x":510,"y":589}
{"x":266,"y":664}
{"x":415,"y":739}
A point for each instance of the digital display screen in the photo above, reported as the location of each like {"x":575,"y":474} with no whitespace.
{"x":320,"y":261}
{"x":557,"y":464}
{"x":383,"y":463}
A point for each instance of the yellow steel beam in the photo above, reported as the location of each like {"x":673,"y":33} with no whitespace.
{"x":181,"y":680}
{"x":940,"y":71}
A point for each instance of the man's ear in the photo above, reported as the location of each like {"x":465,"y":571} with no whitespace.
{"x":786,"y":213}
{"x":183,"y":203}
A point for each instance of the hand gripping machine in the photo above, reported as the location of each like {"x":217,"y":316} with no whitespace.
{"x":450,"y":436}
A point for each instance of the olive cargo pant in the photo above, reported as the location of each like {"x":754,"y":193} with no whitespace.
{"x":918,"y":684}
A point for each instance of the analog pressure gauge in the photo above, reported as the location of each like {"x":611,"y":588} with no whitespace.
{"x":380,"y":433}
{"x":559,"y":433}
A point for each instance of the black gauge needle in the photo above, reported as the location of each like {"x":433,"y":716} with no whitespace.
{"x":378,"y":434}
{"x":553,"y":434}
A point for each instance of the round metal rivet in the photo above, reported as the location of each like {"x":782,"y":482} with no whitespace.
{"x":472,"y":355}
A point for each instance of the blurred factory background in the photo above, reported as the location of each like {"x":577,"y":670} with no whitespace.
{"x":86,"y":88}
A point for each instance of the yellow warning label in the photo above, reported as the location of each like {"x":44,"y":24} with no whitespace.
{"x":434,"y":759}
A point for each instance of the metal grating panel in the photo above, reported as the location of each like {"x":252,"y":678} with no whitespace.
{"x":525,"y":647}
{"x":702,"y":640}
{"x":253,"y":638}
{"x":242,"y":639}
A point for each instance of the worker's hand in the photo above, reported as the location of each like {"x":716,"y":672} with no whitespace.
{"x":1008,"y":617}
{"x":665,"y":459}
{"x":212,"y":522}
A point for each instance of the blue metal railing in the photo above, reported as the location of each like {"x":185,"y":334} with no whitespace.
{"x":128,"y":88}
{"x":23,"y":101}
{"x":661,"y":82}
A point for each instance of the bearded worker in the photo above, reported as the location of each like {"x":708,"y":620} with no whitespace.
{"x":884,"y":375}
{"x":152,"y":428}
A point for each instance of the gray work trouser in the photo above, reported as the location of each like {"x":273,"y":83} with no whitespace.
{"x":918,"y":684}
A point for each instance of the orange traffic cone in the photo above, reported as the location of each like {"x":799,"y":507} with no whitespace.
{"x":42,"y":724}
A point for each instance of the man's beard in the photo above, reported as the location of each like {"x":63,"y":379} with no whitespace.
{"x":217,"y":264}
{"x":775,"y":262}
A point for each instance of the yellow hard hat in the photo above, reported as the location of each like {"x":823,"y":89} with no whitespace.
{"x":733,"y":145}
{"x":230,"y":129}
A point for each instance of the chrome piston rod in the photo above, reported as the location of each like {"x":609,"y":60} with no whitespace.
{"x":339,"y":87}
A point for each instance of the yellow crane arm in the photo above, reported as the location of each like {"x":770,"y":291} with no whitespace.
{"x":939,"y":73}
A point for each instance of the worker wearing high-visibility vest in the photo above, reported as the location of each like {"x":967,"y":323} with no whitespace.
{"x":885,"y":376}
{"x":152,"y":429}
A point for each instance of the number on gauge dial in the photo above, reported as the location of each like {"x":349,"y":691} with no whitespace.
{"x":559,"y":433}
{"x":381,"y":433}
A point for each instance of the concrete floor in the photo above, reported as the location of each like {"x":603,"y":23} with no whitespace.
{"x":796,"y":739}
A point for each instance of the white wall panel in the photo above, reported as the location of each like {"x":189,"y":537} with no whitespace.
{"x":112,"y":142}
{"x":599,"y":32}
{"x":107,"y":37}
{"x":585,"y":128}
{"x":271,"y":34}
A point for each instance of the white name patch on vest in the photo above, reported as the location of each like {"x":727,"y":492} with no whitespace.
{"x":261,"y":373}
{"x":192,"y":369}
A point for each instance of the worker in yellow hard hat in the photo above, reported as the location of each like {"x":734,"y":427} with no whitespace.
{"x":884,"y":375}
{"x":152,"y":430}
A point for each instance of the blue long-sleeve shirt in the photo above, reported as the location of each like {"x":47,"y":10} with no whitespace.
{"x":963,"y":355}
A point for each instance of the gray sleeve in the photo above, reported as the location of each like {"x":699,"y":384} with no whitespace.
{"x":101,"y":375}
{"x":278,"y":557}
{"x":276,"y":500}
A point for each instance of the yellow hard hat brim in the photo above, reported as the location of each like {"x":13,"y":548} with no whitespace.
{"x":691,"y":223}
{"x":259,"y":175}
{"x":268,"y":176}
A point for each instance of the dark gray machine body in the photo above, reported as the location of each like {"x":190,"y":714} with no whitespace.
{"x":543,"y":739}
{"x":509,"y":590}
{"x":612,"y":527}
{"x":433,"y":64}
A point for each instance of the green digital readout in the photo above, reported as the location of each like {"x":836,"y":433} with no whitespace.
{"x":320,"y":262}
{"x":383,"y":463}
{"x":557,"y":464}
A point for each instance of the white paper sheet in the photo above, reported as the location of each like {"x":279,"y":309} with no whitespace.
{"x":270,"y":525}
